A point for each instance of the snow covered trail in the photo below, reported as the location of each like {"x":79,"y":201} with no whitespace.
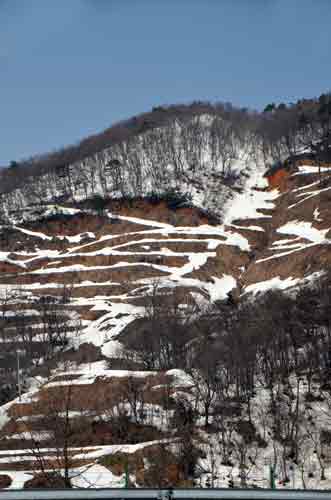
{"x":311,"y":169}
{"x":307,"y":195}
{"x":304,"y":230}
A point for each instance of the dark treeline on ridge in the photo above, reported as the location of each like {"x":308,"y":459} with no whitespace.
{"x":275,"y":127}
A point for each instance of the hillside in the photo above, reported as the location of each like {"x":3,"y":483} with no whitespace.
{"x":140,"y":286}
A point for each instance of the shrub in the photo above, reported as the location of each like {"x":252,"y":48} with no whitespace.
{"x":116,"y":463}
{"x":5,"y":481}
{"x":98,"y":203}
{"x":46,"y":480}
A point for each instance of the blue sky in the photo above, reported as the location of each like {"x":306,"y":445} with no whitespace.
{"x":69,"y":68}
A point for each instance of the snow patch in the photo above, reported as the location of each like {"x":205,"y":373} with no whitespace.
{"x":246,"y":205}
{"x":221,"y":287}
{"x":273,"y":284}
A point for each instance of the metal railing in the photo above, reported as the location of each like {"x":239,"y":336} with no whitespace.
{"x":164,"y":494}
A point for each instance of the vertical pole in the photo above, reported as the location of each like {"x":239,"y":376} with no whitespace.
{"x":18,"y":375}
{"x":272,"y":477}
{"x":126,"y":484}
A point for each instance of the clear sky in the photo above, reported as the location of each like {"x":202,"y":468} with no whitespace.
{"x":69,"y":68}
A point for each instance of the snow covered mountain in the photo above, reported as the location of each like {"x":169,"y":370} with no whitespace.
{"x":85,"y":248}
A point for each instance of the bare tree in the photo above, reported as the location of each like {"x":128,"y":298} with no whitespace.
{"x":223,"y":143}
{"x":164,"y":329}
{"x":54,"y":438}
{"x":133,"y":392}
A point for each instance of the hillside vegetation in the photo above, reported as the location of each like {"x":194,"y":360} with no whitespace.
{"x":165,"y":303}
